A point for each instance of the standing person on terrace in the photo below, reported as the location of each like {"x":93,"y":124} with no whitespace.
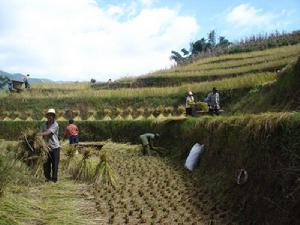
{"x":213,"y":101}
{"x":26,"y":82}
{"x":49,"y":132}
{"x":10,"y":85}
{"x":189,"y":101}
{"x":72,"y":132}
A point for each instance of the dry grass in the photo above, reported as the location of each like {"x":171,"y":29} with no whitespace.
{"x":50,"y":204}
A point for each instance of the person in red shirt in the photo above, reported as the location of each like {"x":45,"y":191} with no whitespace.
{"x":72,"y":132}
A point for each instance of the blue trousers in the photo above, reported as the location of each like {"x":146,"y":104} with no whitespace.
{"x":73,"y":140}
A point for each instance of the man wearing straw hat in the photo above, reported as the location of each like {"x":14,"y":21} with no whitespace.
{"x":50,"y":134}
{"x":189,"y":101}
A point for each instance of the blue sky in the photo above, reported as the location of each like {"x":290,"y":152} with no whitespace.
{"x":78,"y":40}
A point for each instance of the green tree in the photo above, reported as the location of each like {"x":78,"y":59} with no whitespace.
{"x":212,"y":39}
{"x":176,"y":57}
{"x":223,"y":42}
{"x":199,"y":46}
{"x":185,"y":52}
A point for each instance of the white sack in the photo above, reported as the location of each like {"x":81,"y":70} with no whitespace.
{"x":194,"y":156}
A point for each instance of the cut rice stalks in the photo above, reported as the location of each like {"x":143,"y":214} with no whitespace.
{"x":33,"y":151}
{"x":104,"y":174}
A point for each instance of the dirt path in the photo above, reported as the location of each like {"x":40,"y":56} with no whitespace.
{"x":62,"y":203}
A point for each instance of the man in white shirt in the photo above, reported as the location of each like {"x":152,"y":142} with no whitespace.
{"x":213,"y":101}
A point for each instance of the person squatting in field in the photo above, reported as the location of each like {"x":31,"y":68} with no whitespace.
{"x":147,"y":140}
{"x":49,"y":131}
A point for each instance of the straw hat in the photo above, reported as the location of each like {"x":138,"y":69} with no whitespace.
{"x":52,"y":111}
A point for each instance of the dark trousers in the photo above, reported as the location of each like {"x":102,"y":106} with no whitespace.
{"x":213,"y":111}
{"x":146,"y":150}
{"x":52,"y":165}
{"x":73,"y":139}
{"x":189,"y":111}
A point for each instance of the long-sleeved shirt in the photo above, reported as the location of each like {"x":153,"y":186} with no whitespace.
{"x":188,"y":101}
{"x":147,"y":139}
{"x":213,"y":100}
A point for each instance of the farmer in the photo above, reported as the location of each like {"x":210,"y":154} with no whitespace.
{"x":10,"y":85}
{"x":72,"y":132}
{"x":189,"y":104}
{"x":213,"y":102}
{"x":50,"y":135}
{"x":25,"y":79}
{"x":147,"y":140}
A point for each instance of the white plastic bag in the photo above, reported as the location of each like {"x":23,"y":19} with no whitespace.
{"x":194,"y":156}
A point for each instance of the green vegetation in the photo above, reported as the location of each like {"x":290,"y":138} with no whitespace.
{"x":210,"y":47}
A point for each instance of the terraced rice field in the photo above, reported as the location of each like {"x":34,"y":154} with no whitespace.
{"x":152,"y":190}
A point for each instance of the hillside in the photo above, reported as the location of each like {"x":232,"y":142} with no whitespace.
{"x":258,"y":131}
{"x":235,"y":75}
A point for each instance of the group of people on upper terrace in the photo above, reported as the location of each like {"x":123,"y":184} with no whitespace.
{"x":212,"y":100}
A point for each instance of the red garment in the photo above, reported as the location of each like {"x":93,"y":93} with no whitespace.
{"x":71,"y":130}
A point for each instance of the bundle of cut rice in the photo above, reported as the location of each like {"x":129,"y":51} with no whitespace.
{"x":83,"y":171}
{"x":33,"y":151}
{"x":69,"y":152}
{"x":104,"y":173}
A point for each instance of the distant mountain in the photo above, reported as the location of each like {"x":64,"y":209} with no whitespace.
{"x":19,"y":76}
